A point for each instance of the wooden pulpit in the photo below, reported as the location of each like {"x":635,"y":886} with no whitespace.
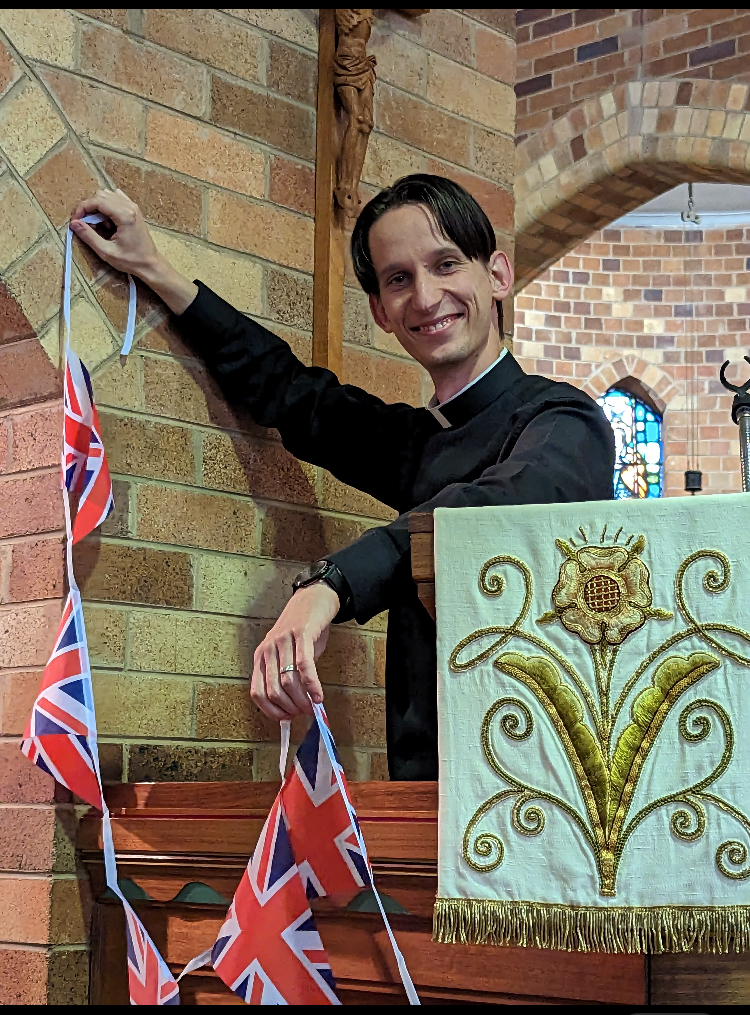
{"x":182,"y":847}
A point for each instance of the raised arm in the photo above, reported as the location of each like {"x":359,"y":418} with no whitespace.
{"x":359,"y":438}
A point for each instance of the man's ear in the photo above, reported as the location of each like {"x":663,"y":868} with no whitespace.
{"x":501,"y":275}
{"x":378,"y":312}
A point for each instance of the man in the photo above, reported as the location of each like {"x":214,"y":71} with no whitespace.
{"x":424,"y":251}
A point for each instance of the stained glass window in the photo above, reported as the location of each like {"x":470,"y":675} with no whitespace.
{"x":639,"y":453}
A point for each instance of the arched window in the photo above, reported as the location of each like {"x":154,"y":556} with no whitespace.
{"x":639,"y":452}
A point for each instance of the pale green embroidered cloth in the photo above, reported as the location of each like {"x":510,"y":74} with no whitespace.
{"x":594,"y":704}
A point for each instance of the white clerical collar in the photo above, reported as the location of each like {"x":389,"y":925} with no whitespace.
{"x":434,"y":406}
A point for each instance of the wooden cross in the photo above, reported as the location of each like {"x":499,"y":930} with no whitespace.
{"x":337,"y":167}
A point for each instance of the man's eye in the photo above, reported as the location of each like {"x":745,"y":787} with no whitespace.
{"x":397,"y":280}
{"x":450,"y":263}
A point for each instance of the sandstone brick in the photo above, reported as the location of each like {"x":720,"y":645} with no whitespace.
{"x":346,"y":660}
{"x":260,"y":469}
{"x":225,"y":711}
{"x":289,"y":298}
{"x":176,"y":390}
{"x":117,"y":17}
{"x":23,"y":976}
{"x":35,"y":283}
{"x":17,"y":695}
{"x":337,"y":496}
{"x":29,"y":127}
{"x":208,"y":646}
{"x":90,"y":335}
{"x":60,"y":181}
{"x":299,"y":26}
{"x":37,"y":570}
{"x":356,"y":716}
{"x":207,"y":36}
{"x":292,"y":185}
{"x":111,"y":762}
{"x":228,"y":273}
{"x":260,"y":115}
{"x":118,"y":521}
{"x":212,"y":521}
{"x":389,"y":379}
{"x":463,"y":91}
{"x":204,"y":153}
{"x":98,"y":113}
{"x":305,"y":536}
{"x":129,"y":64}
{"x":177,"y":763}
{"x":387,"y":160}
{"x":31,"y":504}
{"x":68,"y":977}
{"x":9,"y":70}
{"x":379,"y":767}
{"x":20,"y":781}
{"x":494,"y":155}
{"x":138,"y":447}
{"x":496,"y":56}
{"x":20,"y":223}
{"x":379,"y":661}
{"x":261,"y":229}
{"x":243,"y":586}
{"x":292,"y":73}
{"x":163,"y":199}
{"x":105,"y":630}
{"x":153,"y":642}
{"x":400,"y":62}
{"x":36,"y":438}
{"x":70,"y":911}
{"x":24,"y":909}
{"x":118,"y":385}
{"x":26,"y":837}
{"x":422,"y":125}
{"x":141,"y":705}
{"x":133,"y":574}
{"x":47,"y":34}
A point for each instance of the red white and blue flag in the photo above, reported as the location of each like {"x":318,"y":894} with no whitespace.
{"x":60,"y":736}
{"x":149,"y":978}
{"x":85,"y":470}
{"x":269,"y":951}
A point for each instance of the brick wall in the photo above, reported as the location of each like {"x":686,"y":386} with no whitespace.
{"x":566,"y":56}
{"x":207,"y":119}
{"x":665,"y":307}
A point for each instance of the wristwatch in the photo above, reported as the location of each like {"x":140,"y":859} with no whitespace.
{"x":326,"y":571}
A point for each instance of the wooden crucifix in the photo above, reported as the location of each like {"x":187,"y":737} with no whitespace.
{"x":346,"y":82}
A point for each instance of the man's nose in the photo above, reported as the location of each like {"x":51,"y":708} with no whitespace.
{"x":427,"y":292}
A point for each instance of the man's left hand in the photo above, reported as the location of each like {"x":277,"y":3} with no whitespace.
{"x":285,"y":680}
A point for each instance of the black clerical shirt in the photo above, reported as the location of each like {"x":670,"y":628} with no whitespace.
{"x":513,"y":438}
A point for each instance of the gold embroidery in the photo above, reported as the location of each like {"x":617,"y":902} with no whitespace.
{"x":603,"y":596}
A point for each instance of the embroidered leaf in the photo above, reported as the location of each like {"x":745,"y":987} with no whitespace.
{"x":563,"y":706}
{"x":648,"y":712}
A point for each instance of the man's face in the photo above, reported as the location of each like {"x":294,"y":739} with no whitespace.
{"x":438,"y":303}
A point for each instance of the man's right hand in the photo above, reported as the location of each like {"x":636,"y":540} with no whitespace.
{"x":131,"y":247}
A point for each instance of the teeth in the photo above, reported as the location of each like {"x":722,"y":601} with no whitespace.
{"x":430,"y":329}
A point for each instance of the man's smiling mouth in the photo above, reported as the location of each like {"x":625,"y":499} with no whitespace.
{"x":434,"y":327}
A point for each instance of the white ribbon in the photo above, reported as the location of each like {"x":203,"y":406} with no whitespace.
{"x":127,"y":342}
{"x":400,"y":961}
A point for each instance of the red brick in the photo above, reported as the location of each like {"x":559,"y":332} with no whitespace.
{"x":4,"y":446}
{"x":14,"y":327}
{"x":23,"y":976}
{"x":292,"y":73}
{"x":305,"y":535}
{"x":163,"y":199}
{"x":37,"y":570}
{"x":496,"y":56}
{"x":390,"y":379}
{"x":257,"y":114}
{"x":9,"y":71}
{"x":26,"y":374}
{"x":27,"y":838}
{"x":32,"y":504}
{"x":292,"y":185}
{"x":60,"y":181}
{"x":497,"y":203}
{"x":36,"y":438}
{"x":21,"y":782}
{"x":18,"y":692}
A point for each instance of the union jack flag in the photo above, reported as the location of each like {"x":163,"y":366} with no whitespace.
{"x":321,"y":829}
{"x":60,"y":736}
{"x":269,"y":951}
{"x":85,"y":470}
{"x":149,"y":978}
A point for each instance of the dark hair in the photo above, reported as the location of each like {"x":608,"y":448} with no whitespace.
{"x":459,"y":217}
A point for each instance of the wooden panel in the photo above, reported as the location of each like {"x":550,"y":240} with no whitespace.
{"x":700,"y":979}
{"x":421,"y":530}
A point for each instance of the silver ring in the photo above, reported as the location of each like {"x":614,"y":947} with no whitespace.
{"x":288,"y":669}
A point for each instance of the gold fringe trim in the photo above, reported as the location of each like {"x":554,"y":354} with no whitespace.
{"x":717,"y":929}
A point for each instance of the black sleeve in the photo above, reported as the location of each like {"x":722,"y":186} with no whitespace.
{"x":563,"y":453}
{"x":363,"y":441}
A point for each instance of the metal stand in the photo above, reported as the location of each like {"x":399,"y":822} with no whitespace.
{"x":741,"y":416}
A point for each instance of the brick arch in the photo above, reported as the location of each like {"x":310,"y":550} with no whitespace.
{"x":660,"y":388}
{"x":611,"y":154}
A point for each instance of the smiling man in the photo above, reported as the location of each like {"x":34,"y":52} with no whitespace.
{"x":424,"y":252}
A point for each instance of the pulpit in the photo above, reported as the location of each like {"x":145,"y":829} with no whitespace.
{"x":182,"y":847}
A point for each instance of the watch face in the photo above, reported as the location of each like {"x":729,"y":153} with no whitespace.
{"x":310,"y":574}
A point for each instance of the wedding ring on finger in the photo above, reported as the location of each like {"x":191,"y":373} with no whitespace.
{"x":288,"y":669}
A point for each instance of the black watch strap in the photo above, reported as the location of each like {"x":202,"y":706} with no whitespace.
{"x":326,"y":571}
